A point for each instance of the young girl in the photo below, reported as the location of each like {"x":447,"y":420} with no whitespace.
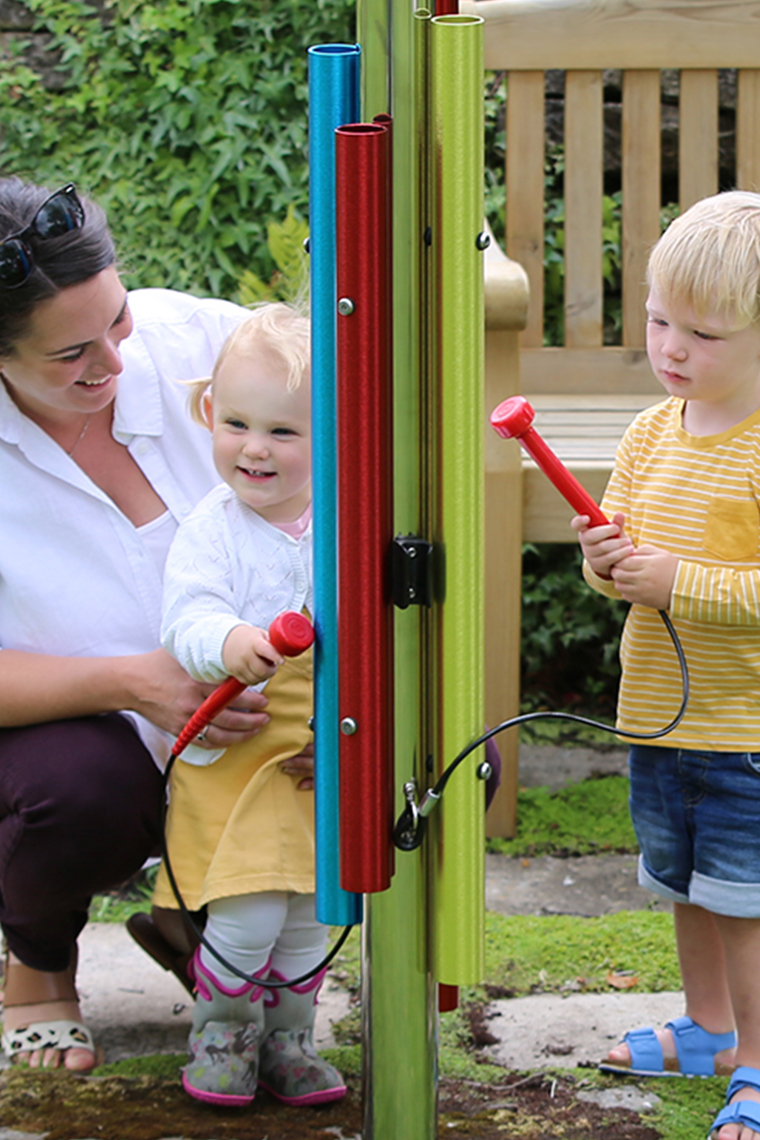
{"x":240,"y":828}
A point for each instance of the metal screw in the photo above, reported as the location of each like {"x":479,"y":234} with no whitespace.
{"x":311,"y":723}
{"x":346,"y":306}
{"x":484,"y":771}
{"x":307,"y":245}
{"x":482,"y":241}
{"x":348,"y":726}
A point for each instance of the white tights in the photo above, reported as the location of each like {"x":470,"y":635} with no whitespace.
{"x":246,"y":929}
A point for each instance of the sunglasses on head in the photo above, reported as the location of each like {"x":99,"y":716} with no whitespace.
{"x":57,"y":215}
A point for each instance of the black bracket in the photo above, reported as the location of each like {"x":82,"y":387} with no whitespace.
{"x":411,"y":571}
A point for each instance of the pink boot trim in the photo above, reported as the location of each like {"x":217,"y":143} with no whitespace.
{"x":272,"y":997}
{"x":200,"y":973}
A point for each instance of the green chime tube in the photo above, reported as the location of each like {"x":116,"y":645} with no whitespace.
{"x":456,"y":157}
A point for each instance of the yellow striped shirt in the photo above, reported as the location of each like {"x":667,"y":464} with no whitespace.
{"x":697,"y":497}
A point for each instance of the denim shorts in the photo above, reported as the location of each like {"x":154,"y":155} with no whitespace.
{"x":697,"y":820}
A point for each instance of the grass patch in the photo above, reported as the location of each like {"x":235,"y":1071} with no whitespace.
{"x":347,"y":965}
{"x":457,"y":1056}
{"x":528,"y":954}
{"x":586,"y":818}
{"x":161,"y":1066}
{"x":688,"y":1108}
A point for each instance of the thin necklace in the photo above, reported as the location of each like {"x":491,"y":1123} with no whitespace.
{"x":81,"y":435}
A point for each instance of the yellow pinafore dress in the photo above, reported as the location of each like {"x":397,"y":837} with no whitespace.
{"x":240,"y":825}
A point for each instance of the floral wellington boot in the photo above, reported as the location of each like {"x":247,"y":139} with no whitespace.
{"x":223,"y":1046}
{"x":289,"y":1065}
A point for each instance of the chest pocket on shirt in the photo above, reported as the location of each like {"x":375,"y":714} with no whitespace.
{"x":732,"y":528}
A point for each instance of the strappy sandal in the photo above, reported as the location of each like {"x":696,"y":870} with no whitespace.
{"x":695,"y":1052}
{"x":150,"y":939}
{"x":25,"y":987}
{"x":744,"y":1112}
{"x":40,"y":1035}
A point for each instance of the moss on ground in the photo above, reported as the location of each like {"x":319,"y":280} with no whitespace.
{"x":560,"y":953}
{"x":687,"y":1108}
{"x":587,"y":818}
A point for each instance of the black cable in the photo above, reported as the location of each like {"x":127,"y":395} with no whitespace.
{"x":265,"y":984}
{"x":525,"y":717}
{"x":410,"y":826}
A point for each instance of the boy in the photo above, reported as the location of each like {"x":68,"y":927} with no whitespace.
{"x":684,"y":537}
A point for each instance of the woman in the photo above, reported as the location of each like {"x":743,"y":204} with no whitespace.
{"x":99,"y":461}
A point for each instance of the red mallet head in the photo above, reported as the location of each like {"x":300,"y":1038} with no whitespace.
{"x":512,"y":417}
{"x":291,"y":633}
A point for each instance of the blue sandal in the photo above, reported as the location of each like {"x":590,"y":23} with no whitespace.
{"x":695,"y":1049}
{"x":746,"y":1112}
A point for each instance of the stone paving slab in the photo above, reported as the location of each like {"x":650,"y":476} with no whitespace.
{"x":586,"y":885}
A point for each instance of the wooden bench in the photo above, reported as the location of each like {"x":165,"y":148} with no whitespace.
{"x":585,"y":392}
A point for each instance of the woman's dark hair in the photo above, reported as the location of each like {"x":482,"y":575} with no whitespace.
{"x":60,"y":261}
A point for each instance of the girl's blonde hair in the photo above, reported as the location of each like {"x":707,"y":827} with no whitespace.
{"x":709,"y":258}
{"x":281,"y":328}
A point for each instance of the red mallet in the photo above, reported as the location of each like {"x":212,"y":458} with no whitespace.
{"x":291,"y":634}
{"x":512,"y":419}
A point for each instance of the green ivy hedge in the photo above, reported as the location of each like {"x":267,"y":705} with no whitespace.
{"x":185,"y":119}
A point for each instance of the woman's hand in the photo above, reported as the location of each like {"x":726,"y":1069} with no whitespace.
{"x":603,"y":546}
{"x":301,"y":765}
{"x":167,"y":696}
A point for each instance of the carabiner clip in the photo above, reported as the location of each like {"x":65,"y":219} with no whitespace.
{"x":411,"y":826}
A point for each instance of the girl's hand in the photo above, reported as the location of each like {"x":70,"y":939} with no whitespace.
{"x":162,"y":692}
{"x":646,"y":577}
{"x":603,"y":546}
{"x":249,"y":655}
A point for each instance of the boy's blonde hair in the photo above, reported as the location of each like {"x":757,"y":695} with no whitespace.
{"x":281,"y":328}
{"x":709,"y":258}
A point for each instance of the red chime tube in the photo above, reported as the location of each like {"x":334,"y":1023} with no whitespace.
{"x":365,"y":505}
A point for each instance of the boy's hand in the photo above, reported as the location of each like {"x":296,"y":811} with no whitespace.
{"x":646,"y":577}
{"x":603,"y":546}
{"x":249,"y":655}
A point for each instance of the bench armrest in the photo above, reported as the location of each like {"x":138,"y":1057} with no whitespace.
{"x":506,"y":288}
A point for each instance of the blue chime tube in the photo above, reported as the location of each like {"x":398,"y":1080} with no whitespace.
{"x":333,"y":100}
